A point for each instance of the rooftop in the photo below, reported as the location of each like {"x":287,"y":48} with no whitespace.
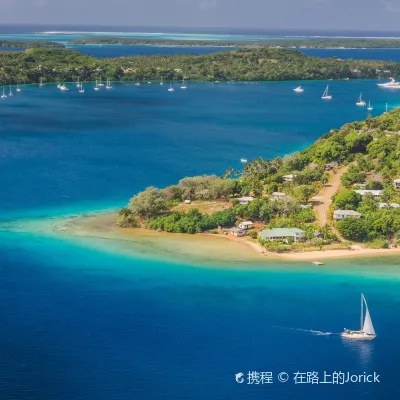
{"x":347,"y":212}
{"x":280,"y":232}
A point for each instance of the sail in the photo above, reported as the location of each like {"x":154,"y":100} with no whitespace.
{"x":368,"y":327}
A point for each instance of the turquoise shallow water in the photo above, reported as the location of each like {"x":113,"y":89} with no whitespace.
{"x":79,"y":322}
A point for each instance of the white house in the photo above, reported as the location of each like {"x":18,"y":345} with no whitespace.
{"x":282,"y":234}
{"x":237,"y":232}
{"x":246,"y":225}
{"x":360,"y":185}
{"x":341,"y":214}
{"x":392,"y":205}
{"x":278,"y":195}
{"x":375,"y":193}
{"x":246,"y":200}
{"x":396,"y":183}
{"x":289,"y":178}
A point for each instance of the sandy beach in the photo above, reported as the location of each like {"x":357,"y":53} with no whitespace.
{"x":99,"y":227}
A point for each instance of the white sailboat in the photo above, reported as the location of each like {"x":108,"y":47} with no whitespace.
{"x":97,"y":86}
{"x":41,"y":82}
{"x":183,"y":84}
{"x":108,"y":86}
{"x":78,"y":84}
{"x":360,"y":101}
{"x":370,"y":108}
{"x":63,"y":88}
{"x":243,"y":160}
{"x":18,"y":89}
{"x":4,"y":96}
{"x":367,"y":331}
{"x":326,"y":95}
{"x":137,"y":84}
{"x":299,"y":89}
{"x":81,"y":90}
{"x":171,"y":89}
{"x":11,"y":93}
{"x":161,"y":83}
{"x":100,"y":84}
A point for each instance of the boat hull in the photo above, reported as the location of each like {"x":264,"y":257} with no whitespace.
{"x":356,"y":335}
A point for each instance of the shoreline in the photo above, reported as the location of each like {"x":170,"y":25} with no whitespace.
{"x":202,"y":246}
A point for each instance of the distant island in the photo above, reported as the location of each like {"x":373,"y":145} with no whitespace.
{"x":293,"y":43}
{"x":31,"y":44}
{"x":342,"y":192}
{"x":66,"y":65}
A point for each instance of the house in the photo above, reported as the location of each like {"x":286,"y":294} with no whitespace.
{"x":246,"y":225}
{"x":237,"y":232}
{"x":341,"y":214}
{"x":246,"y":200}
{"x":375,"y":193}
{"x":330,"y":166}
{"x":289,"y":178}
{"x":392,"y":205}
{"x":188,"y":202}
{"x":396,"y":183}
{"x":278,"y":196}
{"x":282,"y":234}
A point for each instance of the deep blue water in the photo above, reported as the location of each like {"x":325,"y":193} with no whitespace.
{"x":88,"y":324}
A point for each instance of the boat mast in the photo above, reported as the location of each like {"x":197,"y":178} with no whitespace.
{"x":362,"y":311}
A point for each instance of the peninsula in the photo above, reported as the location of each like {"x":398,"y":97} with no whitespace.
{"x":343,"y":192}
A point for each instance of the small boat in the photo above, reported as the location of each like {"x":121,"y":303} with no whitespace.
{"x":299,"y":89}
{"x":326,"y":95}
{"x":360,"y":101}
{"x":41,"y":82}
{"x":370,"y":108}
{"x":63,"y":88}
{"x":183,"y":84}
{"x":367,"y":331}
{"x":346,"y":79}
{"x":81,"y":90}
{"x":137,"y":84}
{"x":18,"y":89}
{"x":100,"y":84}
{"x":78,"y":85}
{"x":11,"y":93}
{"x":318,"y":263}
{"x":392,"y":84}
{"x":161,"y":82}
{"x":4,"y":96}
{"x":108,"y":86}
{"x":149,"y":82}
{"x":96,"y":87}
{"x":243,"y":160}
{"x":171,"y":89}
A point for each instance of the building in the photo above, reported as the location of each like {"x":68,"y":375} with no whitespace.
{"x":237,"y":232}
{"x":188,"y":202}
{"x":289,"y":178}
{"x":392,"y":205}
{"x":246,"y":225}
{"x":396,"y":183}
{"x":246,"y":200}
{"x":341,"y":214}
{"x":282,"y":234}
{"x":278,"y":196}
{"x":375,"y":193}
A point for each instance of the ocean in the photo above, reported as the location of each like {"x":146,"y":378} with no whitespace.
{"x":88,"y":323}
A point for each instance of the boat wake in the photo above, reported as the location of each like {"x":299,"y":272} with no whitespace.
{"x":312,"y":331}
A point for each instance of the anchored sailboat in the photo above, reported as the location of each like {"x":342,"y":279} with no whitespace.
{"x":108,"y":86}
{"x":367,"y":331}
{"x":360,"y":101}
{"x":18,"y":88}
{"x":11,"y":93}
{"x":299,"y":89}
{"x":41,"y":82}
{"x":81,"y":90}
{"x":370,"y":108}
{"x":4,"y":96}
{"x":183,"y":84}
{"x":78,"y":84}
{"x":326,"y":95}
{"x":171,"y":89}
{"x":97,"y":86}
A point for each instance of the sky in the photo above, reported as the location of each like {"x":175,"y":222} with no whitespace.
{"x":372,"y":15}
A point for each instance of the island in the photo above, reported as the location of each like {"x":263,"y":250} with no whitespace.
{"x":292,"y":43}
{"x":29,"y":44}
{"x":340,"y":194}
{"x":66,"y":65}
